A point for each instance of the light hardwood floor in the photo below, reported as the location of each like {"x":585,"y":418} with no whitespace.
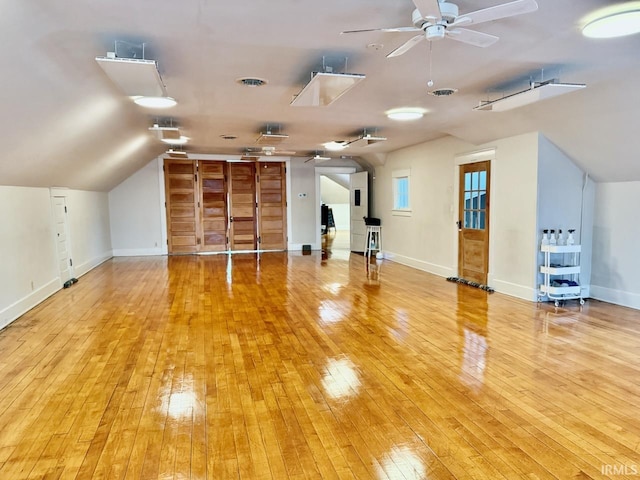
{"x":294,"y":367}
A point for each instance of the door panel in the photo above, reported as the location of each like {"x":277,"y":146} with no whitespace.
{"x":213,"y":205}
{"x":272,"y":206}
{"x":182,"y":212}
{"x":62,"y":241}
{"x":242,"y":195}
{"x":473,"y":231}
{"x":359,"y":208}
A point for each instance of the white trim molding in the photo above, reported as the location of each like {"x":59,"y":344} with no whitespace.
{"x":22,"y":306}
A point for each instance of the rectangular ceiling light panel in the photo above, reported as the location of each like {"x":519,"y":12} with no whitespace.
{"x":135,"y":77}
{"x":326,"y":88}
{"x":532,"y":95}
{"x":271,"y":138}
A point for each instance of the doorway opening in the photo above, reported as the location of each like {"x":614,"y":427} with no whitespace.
{"x":334,"y":196}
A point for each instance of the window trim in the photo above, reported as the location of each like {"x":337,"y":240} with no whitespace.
{"x":395,"y":175}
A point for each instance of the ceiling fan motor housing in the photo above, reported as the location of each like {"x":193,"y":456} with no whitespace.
{"x":435,"y":32}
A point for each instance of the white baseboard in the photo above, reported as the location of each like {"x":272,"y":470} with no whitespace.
{"x":619,"y":297}
{"x":138,"y":252}
{"x":25,"y":304}
{"x":439,"y":270}
{"x":85,"y":267}
{"x":514,"y":290}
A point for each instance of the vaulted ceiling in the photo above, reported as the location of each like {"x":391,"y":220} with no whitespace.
{"x":66,"y":124}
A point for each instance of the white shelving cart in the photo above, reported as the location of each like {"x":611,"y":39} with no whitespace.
{"x":561,"y":265}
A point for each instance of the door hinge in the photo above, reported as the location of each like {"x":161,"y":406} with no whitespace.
{"x":65,"y":209}
{"x":196,"y":178}
{"x":163,"y":168}
{"x":198,"y":204}
{"x":227,"y":240}
{"x":70,"y":263}
{"x":259,"y":239}
{"x":165,"y":204}
{"x":258,"y":178}
{"x":167,"y":242}
{"x":198,"y":241}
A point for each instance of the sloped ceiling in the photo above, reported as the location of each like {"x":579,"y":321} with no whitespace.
{"x":66,"y":124}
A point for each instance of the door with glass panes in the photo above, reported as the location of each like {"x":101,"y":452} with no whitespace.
{"x":473,"y":222}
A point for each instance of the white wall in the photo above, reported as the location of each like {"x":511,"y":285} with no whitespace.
{"x":28,"y":258}
{"x":428,"y":238}
{"x":513,"y":246}
{"x":424,"y":240}
{"x":615,"y":260}
{"x":304,"y":219}
{"x":136,"y":213}
{"x":565,"y":201}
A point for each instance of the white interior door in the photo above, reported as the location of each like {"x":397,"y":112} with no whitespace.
{"x":62,"y":238}
{"x":359,"y":208}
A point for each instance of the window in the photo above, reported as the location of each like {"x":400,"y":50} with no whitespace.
{"x":401,"y":192}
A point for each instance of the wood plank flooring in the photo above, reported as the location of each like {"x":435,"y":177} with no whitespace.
{"x":294,"y":367}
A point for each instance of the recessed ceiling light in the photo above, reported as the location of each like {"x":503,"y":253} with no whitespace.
{"x":155,"y":102}
{"x":176,"y":141}
{"x":614,"y":25}
{"x":335,"y":146}
{"x":405,"y":114}
{"x":252,"y":81}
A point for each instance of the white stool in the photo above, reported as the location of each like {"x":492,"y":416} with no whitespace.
{"x":373,"y":240}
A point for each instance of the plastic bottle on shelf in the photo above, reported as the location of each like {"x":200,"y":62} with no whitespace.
{"x":570,"y":239}
{"x":545,"y":237}
{"x":560,"y":238}
{"x":552,"y":237}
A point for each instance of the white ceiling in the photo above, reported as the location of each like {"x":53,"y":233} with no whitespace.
{"x":66,"y":124}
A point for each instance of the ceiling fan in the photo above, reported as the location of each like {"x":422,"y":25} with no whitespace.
{"x":439,"y":19}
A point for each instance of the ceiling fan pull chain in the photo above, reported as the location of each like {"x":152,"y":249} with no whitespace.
{"x":430,"y":82}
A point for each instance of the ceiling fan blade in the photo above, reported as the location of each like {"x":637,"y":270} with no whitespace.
{"x":428,"y":9}
{"x":407,"y":45}
{"x":472,"y":37}
{"x":518,"y":7}
{"x":392,"y":29}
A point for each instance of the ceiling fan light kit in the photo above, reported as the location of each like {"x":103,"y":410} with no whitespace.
{"x":537,"y":93}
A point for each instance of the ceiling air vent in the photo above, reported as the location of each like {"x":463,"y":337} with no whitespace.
{"x":251,"y":81}
{"x":443,"y":92}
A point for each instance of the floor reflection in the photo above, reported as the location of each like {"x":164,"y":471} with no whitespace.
{"x":341,"y":380}
{"x":373,"y":267}
{"x":472,"y":316}
{"x":401,"y":463}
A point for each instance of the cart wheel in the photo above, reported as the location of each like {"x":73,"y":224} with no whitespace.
{"x":556,"y":303}
{"x":582,"y":301}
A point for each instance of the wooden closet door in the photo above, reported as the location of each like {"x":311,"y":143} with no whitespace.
{"x":213,"y":205}
{"x":242,"y":195}
{"x":272,"y":206}
{"x":182,"y":213}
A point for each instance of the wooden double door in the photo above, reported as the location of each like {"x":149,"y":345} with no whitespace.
{"x":218,"y":206}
